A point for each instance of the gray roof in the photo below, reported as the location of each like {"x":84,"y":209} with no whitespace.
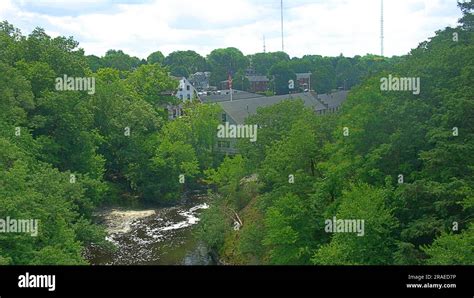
{"x":239,"y":110}
{"x":258,"y":78}
{"x":237,"y":95}
{"x":305,"y":75}
{"x":333,"y":100}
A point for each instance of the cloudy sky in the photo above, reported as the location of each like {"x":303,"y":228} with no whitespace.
{"x":324,"y":27}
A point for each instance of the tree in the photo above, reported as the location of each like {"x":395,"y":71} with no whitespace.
{"x":452,"y":249}
{"x":151,"y":82}
{"x":280,"y":166}
{"x":376,"y":244}
{"x":225,"y":62}
{"x":263,"y":62}
{"x":289,"y":229}
{"x":185,"y":63}
{"x":227,"y":177}
{"x":177,"y":161}
{"x":323,"y":78}
{"x":212,"y":227}
{"x":240,"y":81}
{"x":343,"y":73}
{"x":275,"y":123}
{"x":119,"y":60}
{"x":282,"y":74}
{"x":34,"y":190}
{"x":467,"y":20}
{"x":94,"y":62}
{"x":155,"y":57}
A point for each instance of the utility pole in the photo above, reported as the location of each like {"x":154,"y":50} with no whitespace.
{"x":309,"y":87}
{"x":282,"y":32}
{"x":229,"y":80}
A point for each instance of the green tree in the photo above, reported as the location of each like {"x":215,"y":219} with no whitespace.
{"x":289,"y":230}
{"x":376,"y":245}
{"x":452,"y":249}
{"x":151,"y":82}
{"x":185,"y":63}
{"x":224,"y":62}
{"x":119,"y":60}
{"x":155,"y":57}
{"x":282,"y":74}
{"x":263,"y":62}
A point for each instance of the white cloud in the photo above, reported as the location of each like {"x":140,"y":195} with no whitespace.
{"x":351,"y":27}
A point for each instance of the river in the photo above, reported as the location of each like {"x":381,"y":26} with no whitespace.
{"x":153,"y":236}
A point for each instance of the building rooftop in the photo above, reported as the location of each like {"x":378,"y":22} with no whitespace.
{"x":225,"y":96}
{"x":305,"y":75}
{"x":239,"y":110}
{"x":255,"y":78}
{"x":333,"y":100}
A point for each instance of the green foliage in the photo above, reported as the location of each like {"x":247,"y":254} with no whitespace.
{"x":289,"y":230}
{"x":62,"y":152}
{"x":172,"y":159}
{"x":34,"y":190}
{"x":452,"y":249}
{"x":282,"y":74}
{"x":263,"y":62}
{"x":119,"y":60}
{"x":350,"y":176}
{"x":150,"y":82}
{"x":212,"y":228}
{"x":224,"y":62}
{"x":185,"y":63}
{"x":280,"y":163}
{"x":155,"y":57}
{"x":375,"y":247}
{"x":229,"y":173}
{"x":467,"y":20}
{"x":405,"y":167}
{"x":275,"y":122}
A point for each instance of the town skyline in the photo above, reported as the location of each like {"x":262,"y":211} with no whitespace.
{"x":142,"y":27}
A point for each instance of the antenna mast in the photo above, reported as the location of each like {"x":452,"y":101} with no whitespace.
{"x":381,"y":28}
{"x":264,"y":45}
{"x":282,"y":34}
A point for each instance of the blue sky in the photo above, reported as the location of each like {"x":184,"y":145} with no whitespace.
{"x":324,"y":27}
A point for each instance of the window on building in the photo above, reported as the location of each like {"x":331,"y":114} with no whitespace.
{"x":224,"y":117}
{"x":223,"y":144}
{"x":188,"y":87}
{"x":189,"y":96}
{"x":181,"y":96}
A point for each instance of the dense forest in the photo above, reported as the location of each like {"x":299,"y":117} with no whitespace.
{"x":402,"y":162}
{"x":63,"y":154}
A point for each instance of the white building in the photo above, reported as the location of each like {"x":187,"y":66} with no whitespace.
{"x":186,"y":91}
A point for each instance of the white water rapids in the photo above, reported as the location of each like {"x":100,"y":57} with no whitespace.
{"x":151,"y":237}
